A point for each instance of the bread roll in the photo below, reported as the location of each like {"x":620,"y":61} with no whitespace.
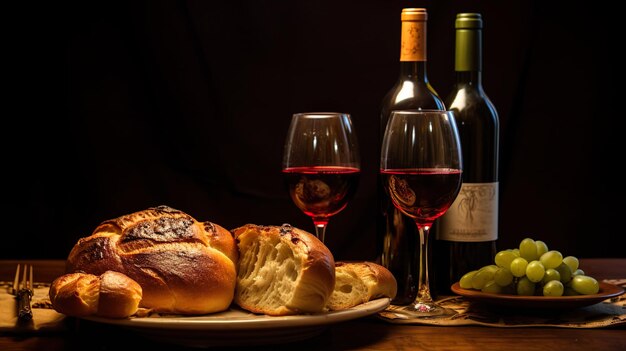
{"x":359,"y":282}
{"x":282,"y":270}
{"x":183,"y":266}
{"x":112,"y":295}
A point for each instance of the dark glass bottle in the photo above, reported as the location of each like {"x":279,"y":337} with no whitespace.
{"x":396,"y":233}
{"x":468,"y":231}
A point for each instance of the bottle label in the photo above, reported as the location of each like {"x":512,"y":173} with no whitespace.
{"x":413,"y":42}
{"x":473,"y":217}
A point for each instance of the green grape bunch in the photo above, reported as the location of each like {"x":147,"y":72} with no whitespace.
{"x":531,"y":270}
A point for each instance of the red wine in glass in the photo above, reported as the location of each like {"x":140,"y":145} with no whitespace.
{"x":422,"y":193}
{"x":321,"y":164}
{"x":321,"y":191}
{"x":421,"y":167}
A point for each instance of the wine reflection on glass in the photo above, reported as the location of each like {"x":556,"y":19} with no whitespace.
{"x":321,"y":165}
{"x":421,"y":168}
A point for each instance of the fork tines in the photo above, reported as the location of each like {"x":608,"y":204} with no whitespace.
{"x":23,"y":289}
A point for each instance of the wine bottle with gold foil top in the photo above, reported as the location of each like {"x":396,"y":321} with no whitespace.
{"x":467,"y":232}
{"x":397,"y":237}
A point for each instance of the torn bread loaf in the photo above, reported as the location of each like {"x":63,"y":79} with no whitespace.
{"x":359,"y":282}
{"x":282,"y":270}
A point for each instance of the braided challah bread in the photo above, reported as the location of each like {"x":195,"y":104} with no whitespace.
{"x":182,"y":265}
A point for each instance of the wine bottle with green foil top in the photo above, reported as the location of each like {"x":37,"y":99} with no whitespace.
{"x":467,"y":233}
{"x":397,"y":236}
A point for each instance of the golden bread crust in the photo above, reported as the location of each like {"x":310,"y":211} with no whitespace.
{"x":111,"y":295}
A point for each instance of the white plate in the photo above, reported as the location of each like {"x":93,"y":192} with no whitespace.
{"x":237,"y":327}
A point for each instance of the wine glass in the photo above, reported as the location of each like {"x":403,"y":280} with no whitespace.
{"x":321,"y":165}
{"x":420,"y":164}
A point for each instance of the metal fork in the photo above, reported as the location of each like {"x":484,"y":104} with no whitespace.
{"x":23,"y":290}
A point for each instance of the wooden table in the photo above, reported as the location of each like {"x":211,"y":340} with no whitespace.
{"x":361,"y":334}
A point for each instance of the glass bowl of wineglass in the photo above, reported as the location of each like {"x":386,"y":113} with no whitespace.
{"x":421,"y":168}
{"x":321,"y":165}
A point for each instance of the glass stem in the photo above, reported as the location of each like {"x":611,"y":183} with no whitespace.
{"x":320,"y":228}
{"x":423,"y":287}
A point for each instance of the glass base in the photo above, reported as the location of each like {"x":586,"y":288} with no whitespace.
{"x":415,"y":312}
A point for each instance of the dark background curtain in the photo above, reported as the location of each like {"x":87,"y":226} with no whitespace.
{"x":115,"y":107}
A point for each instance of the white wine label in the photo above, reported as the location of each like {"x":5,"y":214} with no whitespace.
{"x":473,"y":216}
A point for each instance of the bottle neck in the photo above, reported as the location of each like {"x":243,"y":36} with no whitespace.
{"x":468,"y":61}
{"x":413,"y":41}
{"x":468,"y":50}
{"x":473,"y":78}
{"x":413,"y":51}
{"x":413,"y":70}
